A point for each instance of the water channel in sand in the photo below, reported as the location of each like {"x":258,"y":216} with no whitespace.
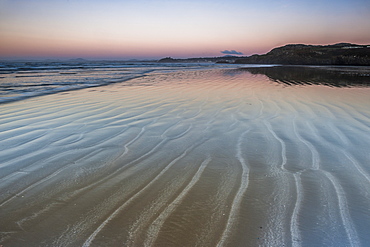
{"x":213,"y":157}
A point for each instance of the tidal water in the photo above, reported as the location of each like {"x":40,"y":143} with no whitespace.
{"x":186,"y":155}
{"x":21,"y":80}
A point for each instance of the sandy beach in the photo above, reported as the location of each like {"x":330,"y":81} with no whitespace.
{"x":213,"y":157}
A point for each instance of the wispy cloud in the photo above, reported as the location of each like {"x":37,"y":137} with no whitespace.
{"x":232,"y":52}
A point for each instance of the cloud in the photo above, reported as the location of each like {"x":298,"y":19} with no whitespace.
{"x":232,"y":52}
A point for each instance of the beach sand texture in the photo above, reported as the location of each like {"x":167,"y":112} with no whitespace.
{"x":217,"y":157}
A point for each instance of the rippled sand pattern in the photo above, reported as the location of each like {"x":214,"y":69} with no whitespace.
{"x":196,"y":158}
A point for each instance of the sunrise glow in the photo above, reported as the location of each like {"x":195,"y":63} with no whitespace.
{"x":153,"y":29}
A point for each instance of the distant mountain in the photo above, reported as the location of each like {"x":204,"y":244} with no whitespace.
{"x":224,"y":59}
{"x":299,"y":54}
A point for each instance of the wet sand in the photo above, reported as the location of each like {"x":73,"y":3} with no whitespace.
{"x":197,"y":158}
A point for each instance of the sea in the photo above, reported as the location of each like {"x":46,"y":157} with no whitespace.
{"x":20,"y":80}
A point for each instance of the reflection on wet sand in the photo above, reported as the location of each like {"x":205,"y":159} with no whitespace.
{"x":221,"y":157}
{"x":319,"y":75}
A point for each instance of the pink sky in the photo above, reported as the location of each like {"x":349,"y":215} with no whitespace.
{"x":155,"y":29}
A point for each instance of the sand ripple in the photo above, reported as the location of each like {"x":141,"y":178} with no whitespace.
{"x":195,"y":158}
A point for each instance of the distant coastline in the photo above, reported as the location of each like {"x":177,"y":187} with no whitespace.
{"x":297,"y":54}
{"x":224,"y":59}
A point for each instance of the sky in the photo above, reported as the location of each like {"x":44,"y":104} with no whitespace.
{"x":143,"y":29}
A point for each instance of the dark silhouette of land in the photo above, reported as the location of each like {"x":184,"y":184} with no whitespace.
{"x":298,"y":54}
{"x":224,"y":59}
